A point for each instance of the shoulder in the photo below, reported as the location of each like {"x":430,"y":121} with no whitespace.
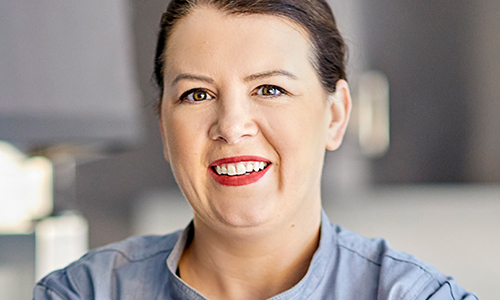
{"x":392,"y":274}
{"x":135,"y":249}
{"x":115,"y":264}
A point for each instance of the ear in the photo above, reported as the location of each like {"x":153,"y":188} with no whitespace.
{"x":339,"y":108}
{"x":164,"y":139}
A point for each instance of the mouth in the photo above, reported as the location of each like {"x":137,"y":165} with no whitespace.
{"x":238,"y":171}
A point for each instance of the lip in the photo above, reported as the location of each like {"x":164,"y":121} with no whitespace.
{"x":241,"y":179}
{"x":237,"y":159}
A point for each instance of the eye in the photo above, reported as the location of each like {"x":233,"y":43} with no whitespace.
{"x":196,"y":95}
{"x":270,"y":91}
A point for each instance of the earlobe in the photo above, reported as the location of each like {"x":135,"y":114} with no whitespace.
{"x":164,"y":139}
{"x":339,"y":105}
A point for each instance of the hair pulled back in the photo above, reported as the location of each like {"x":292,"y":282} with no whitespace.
{"x":315,"y":16}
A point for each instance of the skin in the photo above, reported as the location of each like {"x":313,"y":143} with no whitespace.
{"x":257,"y":240}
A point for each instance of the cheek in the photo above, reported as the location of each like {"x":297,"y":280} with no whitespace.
{"x":184,"y":148}
{"x":297,"y":134}
{"x":298,"y":130}
{"x":182,"y":140}
{"x":177,"y":134}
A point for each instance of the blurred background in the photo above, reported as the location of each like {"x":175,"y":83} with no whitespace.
{"x":82,"y":166}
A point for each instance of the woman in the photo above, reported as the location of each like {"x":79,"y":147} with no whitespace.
{"x":252,"y":93}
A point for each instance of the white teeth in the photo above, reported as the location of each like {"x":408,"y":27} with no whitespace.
{"x":240,"y":168}
{"x":231,"y":170}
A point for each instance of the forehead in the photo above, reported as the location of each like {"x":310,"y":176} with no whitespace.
{"x":207,"y":40}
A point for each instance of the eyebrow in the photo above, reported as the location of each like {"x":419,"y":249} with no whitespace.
{"x":192,"y":77}
{"x":270,"y":74}
{"x":252,"y":77}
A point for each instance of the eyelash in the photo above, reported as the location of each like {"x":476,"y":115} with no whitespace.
{"x":280,"y":90}
{"x":259,"y":90}
{"x":185,"y":96}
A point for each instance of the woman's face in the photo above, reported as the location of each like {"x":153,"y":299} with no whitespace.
{"x":245,"y":119}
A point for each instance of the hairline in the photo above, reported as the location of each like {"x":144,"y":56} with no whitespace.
{"x":313,"y":53}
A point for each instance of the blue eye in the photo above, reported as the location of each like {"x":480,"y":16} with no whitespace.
{"x":270,"y":91}
{"x":196,"y":95}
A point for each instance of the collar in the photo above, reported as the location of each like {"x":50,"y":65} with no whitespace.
{"x":320,"y":262}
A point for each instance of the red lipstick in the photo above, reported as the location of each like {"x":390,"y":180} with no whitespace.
{"x":238,"y":180}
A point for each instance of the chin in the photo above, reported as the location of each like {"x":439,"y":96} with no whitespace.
{"x":243,"y":219}
{"x":250,"y":215}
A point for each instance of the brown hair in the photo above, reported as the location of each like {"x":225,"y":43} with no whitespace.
{"x":315,"y":16}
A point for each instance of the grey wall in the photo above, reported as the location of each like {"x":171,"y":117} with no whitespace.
{"x":66,"y":73}
{"x":106,"y":188}
{"x":484,"y":162}
{"x":442,"y":60}
{"x":420,"y":46}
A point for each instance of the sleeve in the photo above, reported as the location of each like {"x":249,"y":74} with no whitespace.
{"x":42,"y":292}
{"x":56,"y":286}
{"x":448,"y":290}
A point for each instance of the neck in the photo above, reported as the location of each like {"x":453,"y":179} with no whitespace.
{"x":250,"y":266}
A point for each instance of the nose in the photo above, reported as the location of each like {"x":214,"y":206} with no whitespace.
{"x":234,"y":120}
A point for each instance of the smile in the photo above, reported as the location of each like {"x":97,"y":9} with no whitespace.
{"x":240,"y":168}
{"x":238,"y":171}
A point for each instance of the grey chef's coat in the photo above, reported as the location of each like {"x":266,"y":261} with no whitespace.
{"x":345,"y":266}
